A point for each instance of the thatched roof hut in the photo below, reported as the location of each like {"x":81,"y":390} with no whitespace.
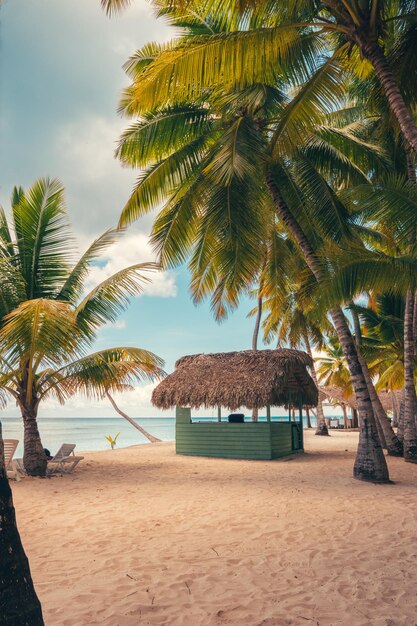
{"x":251,"y":378}
{"x":337,"y":394}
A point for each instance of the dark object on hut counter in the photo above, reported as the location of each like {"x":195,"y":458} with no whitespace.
{"x":236,"y":418}
{"x":251,"y":378}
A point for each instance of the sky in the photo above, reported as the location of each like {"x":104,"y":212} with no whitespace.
{"x":60,"y":80}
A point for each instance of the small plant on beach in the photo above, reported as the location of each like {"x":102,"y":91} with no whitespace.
{"x":112,"y":440}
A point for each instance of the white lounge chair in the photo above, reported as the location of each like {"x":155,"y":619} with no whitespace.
{"x":12,"y":469}
{"x":64,"y":461}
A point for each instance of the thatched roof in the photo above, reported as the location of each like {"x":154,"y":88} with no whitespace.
{"x":252,"y":378}
{"x":332,"y":392}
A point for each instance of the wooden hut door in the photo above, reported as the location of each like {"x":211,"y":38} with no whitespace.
{"x":297,"y":437}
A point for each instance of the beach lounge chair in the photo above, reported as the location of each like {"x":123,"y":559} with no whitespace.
{"x":64,"y":461}
{"x":12,"y":469}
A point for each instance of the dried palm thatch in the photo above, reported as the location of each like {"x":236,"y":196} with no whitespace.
{"x":251,"y":378}
{"x":337,"y":394}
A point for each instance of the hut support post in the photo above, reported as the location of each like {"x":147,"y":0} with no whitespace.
{"x":289,"y":406}
{"x":268,"y":413}
{"x":300,"y":409}
{"x":300,"y":412}
{"x":219,"y":413}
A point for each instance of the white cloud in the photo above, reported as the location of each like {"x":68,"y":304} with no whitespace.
{"x":89,"y":143}
{"x":118,"y":325}
{"x":131,"y":249}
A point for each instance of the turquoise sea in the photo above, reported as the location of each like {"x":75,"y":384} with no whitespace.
{"x":88,"y":433}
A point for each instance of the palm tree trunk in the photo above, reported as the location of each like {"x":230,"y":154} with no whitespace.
{"x":410,"y":400}
{"x":34,"y":458}
{"x":400,"y":429}
{"x":387,"y":436}
{"x":372,"y":51}
{"x":19,"y":604}
{"x":370,"y":463}
{"x":410,"y":404}
{"x":144,"y":432}
{"x":255,"y":336}
{"x":394,"y":405}
{"x":392,"y":443}
{"x":415,"y":318}
{"x":345,"y":417}
{"x":321,"y":426}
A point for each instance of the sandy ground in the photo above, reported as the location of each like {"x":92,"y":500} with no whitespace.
{"x":141,"y":536}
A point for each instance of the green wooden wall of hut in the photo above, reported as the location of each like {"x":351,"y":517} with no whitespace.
{"x":250,"y":440}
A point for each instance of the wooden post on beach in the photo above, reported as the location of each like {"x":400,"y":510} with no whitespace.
{"x":268,"y":413}
{"x":300,"y":411}
{"x":219,"y":413}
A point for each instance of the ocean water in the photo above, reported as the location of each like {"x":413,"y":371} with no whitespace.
{"x":88,"y":433}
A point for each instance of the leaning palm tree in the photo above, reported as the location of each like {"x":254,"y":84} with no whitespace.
{"x":333,"y":371}
{"x":49,"y":319}
{"x":131,"y":421}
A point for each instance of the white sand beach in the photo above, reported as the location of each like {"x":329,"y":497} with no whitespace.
{"x":142,"y":536}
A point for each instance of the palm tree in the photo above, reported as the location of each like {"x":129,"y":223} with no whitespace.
{"x":383,"y":339}
{"x":48,"y":318}
{"x":393,"y":204}
{"x":18,"y":600}
{"x":292,"y":319}
{"x":358,"y":37}
{"x":333,"y":371}
{"x":383,"y":345}
{"x":206,"y":166}
{"x":144,"y":432}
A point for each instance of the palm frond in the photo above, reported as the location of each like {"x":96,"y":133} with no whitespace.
{"x":159,"y":134}
{"x":38,"y":332}
{"x":235,"y":59}
{"x":42,"y":238}
{"x":109,"y":298}
{"x":114,"y":6}
{"x":113,"y":369}
{"x":74,"y":284}
{"x":159,"y":181}
{"x":175,"y":227}
{"x":321,"y":93}
{"x":237,"y":153}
